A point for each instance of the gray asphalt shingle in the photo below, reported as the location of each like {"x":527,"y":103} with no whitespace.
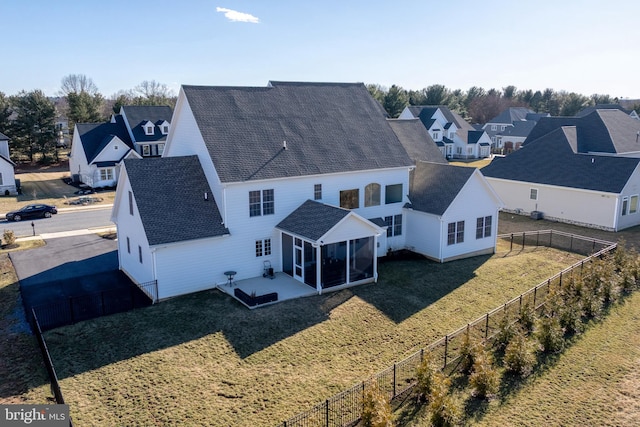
{"x":312,"y":220}
{"x":170,"y":196}
{"x":434,"y":186}
{"x":328,"y":128}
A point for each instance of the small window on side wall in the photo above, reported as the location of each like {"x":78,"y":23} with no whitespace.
{"x":533,"y":194}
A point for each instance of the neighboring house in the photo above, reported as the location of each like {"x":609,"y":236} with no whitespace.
{"x":97,"y":151}
{"x":510,"y":128}
{"x":582,"y":171}
{"x":276,"y":175}
{"x":137,"y":131}
{"x":7,"y":172}
{"x":456,"y":138}
{"x":632,"y":113}
{"x":148,"y":127}
{"x":440,"y":223}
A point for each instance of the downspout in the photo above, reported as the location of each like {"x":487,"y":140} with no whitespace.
{"x":441,"y":243}
{"x":154,"y":270}
{"x":375,"y":258}
{"x":319,"y":269}
{"x":615,"y":213}
{"x":224,"y":203}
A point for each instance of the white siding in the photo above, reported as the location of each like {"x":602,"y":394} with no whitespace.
{"x":8,"y":182}
{"x":130,"y":226}
{"x":582,"y":207}
{"x":424,"y":234}
{"x":77,"y":159}
{"x":631,"y":189}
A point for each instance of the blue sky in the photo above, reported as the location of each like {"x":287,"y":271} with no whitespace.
{"x":582,"y":46}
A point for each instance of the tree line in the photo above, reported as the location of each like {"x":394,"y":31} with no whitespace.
{"x":29,"y":118}
{"x":478,"y":105}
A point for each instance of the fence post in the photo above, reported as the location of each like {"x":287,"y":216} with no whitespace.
{"x":535,"y":290}
{"x":394,"y":381}
{"x":560,"y":280}
{"x":446,"y":347}
{"x":511,"y":246}
{"x":520,"y":303}
{"x":571,"y":244}
{"x":327,"y":412}
{"x":524,"y":236}
{"x":486,"y":327}
{"x":537,"y":238}
{"x":550,"y":238}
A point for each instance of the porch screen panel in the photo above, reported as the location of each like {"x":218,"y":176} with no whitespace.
{"x":361,"y":259}
{"x":334,"y":264}
{"x":287,"y":254}
{"x":310,"y":265}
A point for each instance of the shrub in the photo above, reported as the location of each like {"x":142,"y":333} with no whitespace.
{"x":9,"y":237}
{"x":506,"y":330}
{"x":424,"y":376}
{"x":468,"y":350}
{"x":570,"y":316}
{"x":484,"y":379}
{"x":527,"y":318}
{"x":443,"y":409}
{"x":376,"y":411}
{"x":550,"y":334}
{"x":519,"y":357}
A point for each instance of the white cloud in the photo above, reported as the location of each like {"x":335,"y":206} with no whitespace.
{"x":235,"y":16}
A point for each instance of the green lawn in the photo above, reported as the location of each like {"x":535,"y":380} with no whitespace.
{"x":205,"y":360}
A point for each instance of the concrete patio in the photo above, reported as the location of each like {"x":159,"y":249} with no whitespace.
{"x":286,"y":287}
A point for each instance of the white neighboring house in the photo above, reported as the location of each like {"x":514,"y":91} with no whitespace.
{"x":148,"y":127}
{"x":97,"y":151}
{"x":7,"y":172}
{"x":455,"y":137}
{"x":582,"y":171}
{"x":441,"y":224}
{"x":275,"y":175}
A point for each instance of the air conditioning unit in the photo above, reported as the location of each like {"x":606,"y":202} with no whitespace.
{"x":537,"y":215}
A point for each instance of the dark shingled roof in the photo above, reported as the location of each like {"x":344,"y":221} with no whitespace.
{"x":602,"y":131}
{"x":312,"y":220}
{"x":137,"y":115}
{"x":328,"y":128}
{"x":155,"y":184}
{"x":588,"y":110}
{"x":512,"y":114}
{"x":434,"y":186}
{"x":95,"y":136}
{"x":520,"y":129}
{"x":554,"y":160}
{"x":416,"y":140}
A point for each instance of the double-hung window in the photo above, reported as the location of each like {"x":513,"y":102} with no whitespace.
{"x":483,"y":227}
{"x":261,"y":202}
{"x":455,"y":232}
{"x":394,"y":225}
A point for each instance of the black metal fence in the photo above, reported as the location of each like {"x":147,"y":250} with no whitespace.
{"x":345,"y":408}
{"x":84,"y":307}
{"x":53,"y":377}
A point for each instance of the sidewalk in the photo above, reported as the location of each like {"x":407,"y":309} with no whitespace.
{"x":46,"y":236}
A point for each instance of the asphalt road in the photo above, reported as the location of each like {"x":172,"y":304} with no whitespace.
{"x":65,"y":220}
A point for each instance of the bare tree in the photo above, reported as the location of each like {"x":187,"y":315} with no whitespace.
{"x":77,"y":83}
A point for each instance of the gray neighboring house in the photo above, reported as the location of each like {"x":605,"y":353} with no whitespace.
{"x":585,"y":112}
{"x":579,"y":170}
{"x":504,"y":138}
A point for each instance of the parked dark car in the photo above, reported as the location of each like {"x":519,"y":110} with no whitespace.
{"x":32,"y":211}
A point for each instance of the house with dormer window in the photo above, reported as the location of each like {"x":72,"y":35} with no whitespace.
{"x":98,"y":149}
{"x":455,"y":137}
{"x":279,"y":176}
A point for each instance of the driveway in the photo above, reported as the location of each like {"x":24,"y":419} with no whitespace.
{"x":74,"y":278}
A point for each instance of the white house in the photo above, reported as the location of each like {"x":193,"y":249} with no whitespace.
{"x":510,"y":128}
{"x":456,"y":138}
{"x":97,"y":151}
{"x":309,"y":178}
{"x":577,"y":170}
{"x":453,"y":212}
{"x":7,"y":172}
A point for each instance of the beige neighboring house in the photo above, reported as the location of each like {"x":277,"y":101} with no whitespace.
{"x":7,"y":173}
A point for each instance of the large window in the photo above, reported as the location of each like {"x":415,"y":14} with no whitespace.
{"x":483,"y":227}
{"x":350,"y":199}
{"x":261,"y":202}
{"x":394,"y":225}
{"x":393,"y":193}
{"x":372,"y":195}
{"x":455,"y":232}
